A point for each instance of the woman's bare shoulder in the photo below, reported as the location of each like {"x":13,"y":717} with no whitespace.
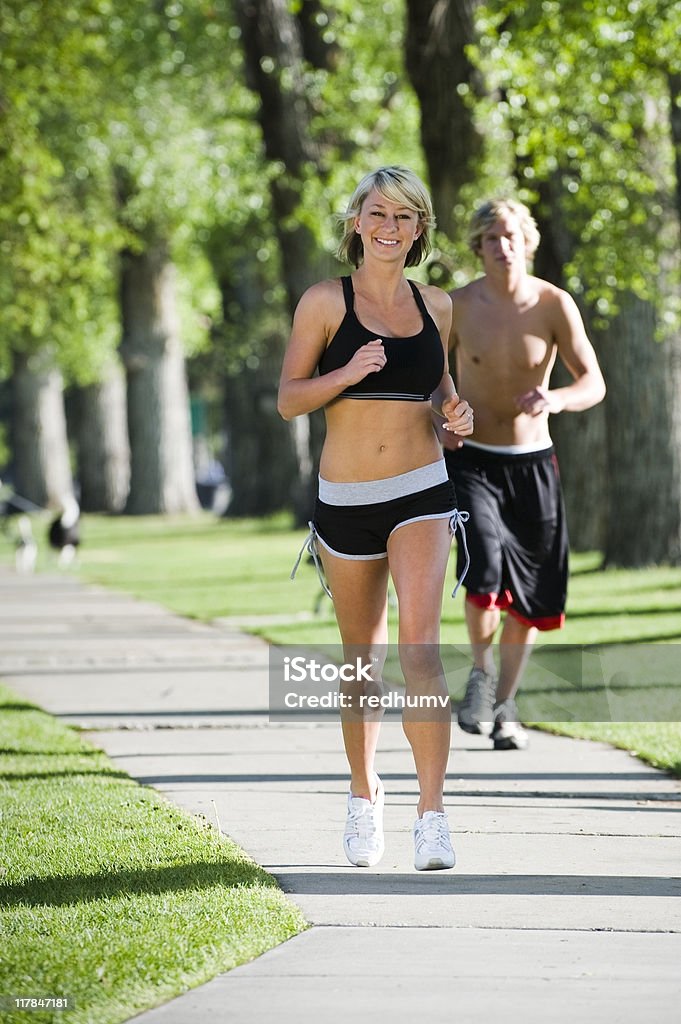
{"x":320,"y":310}
{"x":322,"y":294}
{"x":435,"y":297}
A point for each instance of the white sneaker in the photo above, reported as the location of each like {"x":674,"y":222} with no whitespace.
{"x":432,"y":845}
{"x":363,"y":840}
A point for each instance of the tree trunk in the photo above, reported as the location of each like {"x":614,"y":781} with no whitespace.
{"x":579,"y":440}
{"x":102,"y":438}
{"x":318,"y":50}
{"x":260,"y":458}
{"x":674,"y":81}
{"x":273,"y":46}
{"x":443,"y":77}
{"x":42,"y":468}
{"x":644,"y":439}
{"x":260,"y":461}
{"x":159,"y":423}
{"x":273,"y":52}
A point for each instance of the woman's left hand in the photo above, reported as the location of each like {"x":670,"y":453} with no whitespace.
{"x":458,"y":416}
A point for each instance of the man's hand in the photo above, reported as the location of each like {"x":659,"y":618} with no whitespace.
{"x":539,"y":400}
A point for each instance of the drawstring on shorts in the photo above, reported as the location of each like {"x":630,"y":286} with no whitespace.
{"x":310,"y":545}
{"x":457,"y":521}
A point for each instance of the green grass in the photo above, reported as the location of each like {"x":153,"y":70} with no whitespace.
{"x":110,"y":895}
{"x":198,"y":566}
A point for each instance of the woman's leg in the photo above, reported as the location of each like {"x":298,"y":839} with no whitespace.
{"x":360,"y":598}
{"x":418,"y":554}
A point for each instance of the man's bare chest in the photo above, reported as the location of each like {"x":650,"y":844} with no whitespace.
{"x":497,"y":340}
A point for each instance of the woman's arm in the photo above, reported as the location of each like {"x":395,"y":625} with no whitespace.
{"x":454,"y":415}
{"x":299,"y":390}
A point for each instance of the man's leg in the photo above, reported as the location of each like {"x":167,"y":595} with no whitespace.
{"x":515,"y":647}
{"x":535,"y":553}
{"x":475,"y":714}
{"x":482,"y":624}
{"x":480,"y":496}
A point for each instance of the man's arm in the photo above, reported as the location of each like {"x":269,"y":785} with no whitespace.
{"x":578,"y":356}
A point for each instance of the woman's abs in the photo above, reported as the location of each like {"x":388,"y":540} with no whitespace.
{"x":370,"y":440}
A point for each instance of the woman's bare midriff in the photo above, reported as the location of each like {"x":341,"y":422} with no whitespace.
{"x":371,"y":440}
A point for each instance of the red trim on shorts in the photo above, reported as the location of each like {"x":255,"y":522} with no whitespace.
{"x":504,"y":602}
{"x":491,"y":600}
{"x":545,"y":622}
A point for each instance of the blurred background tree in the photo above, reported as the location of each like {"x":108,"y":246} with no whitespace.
{"x":57,"y":232}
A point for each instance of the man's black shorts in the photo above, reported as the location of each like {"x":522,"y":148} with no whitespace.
{"x":517,"y":535}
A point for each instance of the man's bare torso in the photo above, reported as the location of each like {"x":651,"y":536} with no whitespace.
{"x":503,"y":350}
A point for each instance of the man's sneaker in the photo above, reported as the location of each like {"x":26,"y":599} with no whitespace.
{"x":432,"y":845}
{"x":476,"y":711}
{"x":508,"y":733}
{"x":363,"y":840}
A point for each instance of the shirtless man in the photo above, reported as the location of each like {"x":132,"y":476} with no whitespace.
{"x":508,"y":328}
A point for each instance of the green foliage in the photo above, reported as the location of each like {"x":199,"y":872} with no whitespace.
{"x":364,"y":113}
{"x":583,"y":93}
{"x":56,"y":218}
{"x":112,"y":137}
{"x":5,"y":451}
{"x":123,"y":121}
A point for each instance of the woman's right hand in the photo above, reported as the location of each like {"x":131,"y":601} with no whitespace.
{"x":370,"y":358}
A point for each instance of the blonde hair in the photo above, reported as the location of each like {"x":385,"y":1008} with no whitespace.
{"x":489,"y":212}
{"x":398,"y":185}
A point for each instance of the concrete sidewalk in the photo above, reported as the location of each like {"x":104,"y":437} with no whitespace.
{"x":565,"y":900}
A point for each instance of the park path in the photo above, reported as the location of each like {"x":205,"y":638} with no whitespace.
{"x":565,"y":902}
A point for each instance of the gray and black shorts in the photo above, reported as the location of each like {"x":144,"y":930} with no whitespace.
{"x":355,"y":520}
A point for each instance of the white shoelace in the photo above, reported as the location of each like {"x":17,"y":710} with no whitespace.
{"x":433,"y":833}
{"x":360,"y":821}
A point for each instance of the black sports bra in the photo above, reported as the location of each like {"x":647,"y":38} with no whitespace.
{"x":414,"y":365}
